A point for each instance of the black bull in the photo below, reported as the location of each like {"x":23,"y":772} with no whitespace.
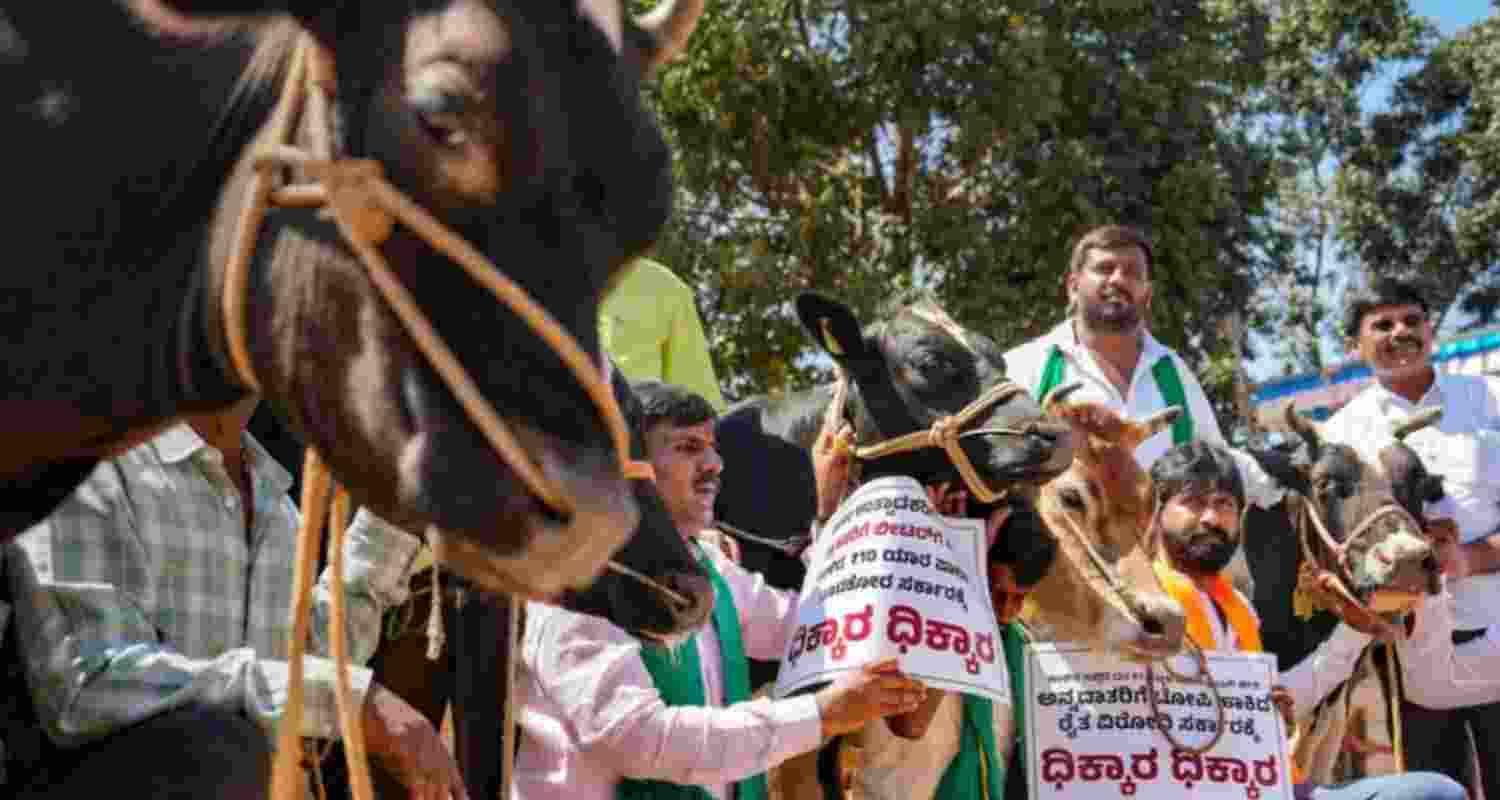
{"x":517,"y":122}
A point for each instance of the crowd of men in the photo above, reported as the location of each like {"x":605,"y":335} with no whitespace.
{"x":148,"y":617}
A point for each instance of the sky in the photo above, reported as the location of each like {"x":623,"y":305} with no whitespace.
{"x":1451,"y":15}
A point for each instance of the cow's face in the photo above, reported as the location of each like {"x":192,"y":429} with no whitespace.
{"x":518,"y":124}
{"x":1387,"y":559}
{"x":1103,"y":589}
{"x":917,"y":366}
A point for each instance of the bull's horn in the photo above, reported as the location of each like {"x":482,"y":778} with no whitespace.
{"x":1059,"y":394}
{"x":1416,"y":421}
{"x":1310,"y":431}
{"x":669,"y":25}
{"x":1160,"y":421}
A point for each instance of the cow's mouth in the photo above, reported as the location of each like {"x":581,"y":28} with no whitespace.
{"x":496,"y":532}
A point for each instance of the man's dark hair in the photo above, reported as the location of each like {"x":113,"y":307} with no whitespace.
{"x":670,"y":403}
{"x":1199,"y":466}
{"x":1110,"y":237}
{"x":1026,"y":546}
{"x":1384,"y":292}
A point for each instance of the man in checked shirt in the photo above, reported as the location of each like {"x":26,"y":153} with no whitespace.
{"x":151,"y":614}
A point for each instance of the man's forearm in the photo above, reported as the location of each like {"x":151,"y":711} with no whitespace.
{"x":1482,"y":557}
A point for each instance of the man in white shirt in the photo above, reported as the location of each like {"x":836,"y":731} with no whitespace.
{"x":1389,"y":327}
{"x":606,"y":717}
{"x":1104,"y":345}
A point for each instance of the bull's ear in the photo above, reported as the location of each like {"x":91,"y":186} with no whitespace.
{"x":832,"y":325}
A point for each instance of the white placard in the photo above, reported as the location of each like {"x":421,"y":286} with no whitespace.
{"x":887,"y":577}
{"x":1090,"y":733}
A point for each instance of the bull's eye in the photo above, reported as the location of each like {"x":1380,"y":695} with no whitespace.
{"x":439,"y":116}
{"x":440,"y":97}
{"x":1072,"y":499}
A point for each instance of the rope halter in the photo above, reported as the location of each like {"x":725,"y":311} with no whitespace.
{"x":945,"y":434}
{"x":1331,"y":586}
{"x":365,"y":207}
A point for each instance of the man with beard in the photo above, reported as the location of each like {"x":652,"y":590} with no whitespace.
{"x":605,"y":716}
{"x":1444,"y":703}
{"x":1199,"y":497}
{"x":1104,"y":344}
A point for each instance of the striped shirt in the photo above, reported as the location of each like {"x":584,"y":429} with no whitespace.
{"x":144,"y":593}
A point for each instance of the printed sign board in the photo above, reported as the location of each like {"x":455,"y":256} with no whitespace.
{"x":887,"y":577}
{"x":1096,"y":727}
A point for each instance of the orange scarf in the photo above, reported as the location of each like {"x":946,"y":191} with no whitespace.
{"x":1231,"y":602}
{"x":1246,"y":627}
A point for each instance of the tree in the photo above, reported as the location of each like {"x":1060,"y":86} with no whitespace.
{"x":1322,"y":59}
{"x":1421,"y":186}
{"x":862,"y":146}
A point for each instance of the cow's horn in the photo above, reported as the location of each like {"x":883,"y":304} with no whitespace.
{"x":669,"y":24}
{"x":1160,"y":421}
{"x":1416,"y":421}
{"x":1058,"y":395}
{"x":1310,"y":432}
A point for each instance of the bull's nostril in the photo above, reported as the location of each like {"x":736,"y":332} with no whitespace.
{"x":1153,"y":626}
{"x":1430,"y":563}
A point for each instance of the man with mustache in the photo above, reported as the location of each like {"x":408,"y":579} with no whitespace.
{"x":605,"y":716}
{"x":1389,"y":327}
{"x":1105,"y":345}
{"x":1199,"y":497}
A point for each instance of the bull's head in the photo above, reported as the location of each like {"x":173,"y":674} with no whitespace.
{"x":1356,"y":525}
{"x":518,"y":125}
{"x":1103,"y":589}
{"x":916,"y":367}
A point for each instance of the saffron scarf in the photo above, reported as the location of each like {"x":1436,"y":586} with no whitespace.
{"x":678,"y":676}
{"x":1241,"y":619}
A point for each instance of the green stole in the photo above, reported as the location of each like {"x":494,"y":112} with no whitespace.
{"x":1167,"y":382}
{"x":678,"y":676}
{"x":974,"y":774}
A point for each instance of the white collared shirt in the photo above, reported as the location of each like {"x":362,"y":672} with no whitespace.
{"x":1462,"y":446}
{"x":1438,"y":674}
{"x":591,"y":714}
{"x":1025,"y":364}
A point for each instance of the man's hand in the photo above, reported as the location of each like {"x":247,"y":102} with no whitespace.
{"x":855,"y":698}
{"x":1282,"y":699}
{"x":405,"y":743}
{"x":713,"y":537}
{"x":1452,"y":556}
{"x":831,"y":457}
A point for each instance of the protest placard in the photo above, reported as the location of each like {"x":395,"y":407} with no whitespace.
{"x":888,"y":577}
{"x":1096,"y":728}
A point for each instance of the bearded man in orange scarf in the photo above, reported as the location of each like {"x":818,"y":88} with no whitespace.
{"x":1199,"y":498}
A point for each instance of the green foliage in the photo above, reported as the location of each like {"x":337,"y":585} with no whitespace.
{"x":1421,"y":187}
{"x":862,"y":147}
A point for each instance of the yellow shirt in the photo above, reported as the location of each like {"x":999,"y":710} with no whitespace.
{"x":649,"y":325}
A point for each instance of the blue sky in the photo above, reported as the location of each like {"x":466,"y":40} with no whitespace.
{"x":1451,"y":15}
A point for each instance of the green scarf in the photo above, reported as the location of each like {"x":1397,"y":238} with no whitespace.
{"x":679,"y":677}
{"x":975,"y":774}
{"x":1167,"y":382}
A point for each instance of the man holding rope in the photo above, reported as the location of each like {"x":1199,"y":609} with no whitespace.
{"x":152,"y":614}
{"x":1200,"y":496}
{"x":1445,"y":701}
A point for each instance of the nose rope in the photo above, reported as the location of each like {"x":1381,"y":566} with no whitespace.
{"x":1332,"y":585}
{"x":365,"y":208}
